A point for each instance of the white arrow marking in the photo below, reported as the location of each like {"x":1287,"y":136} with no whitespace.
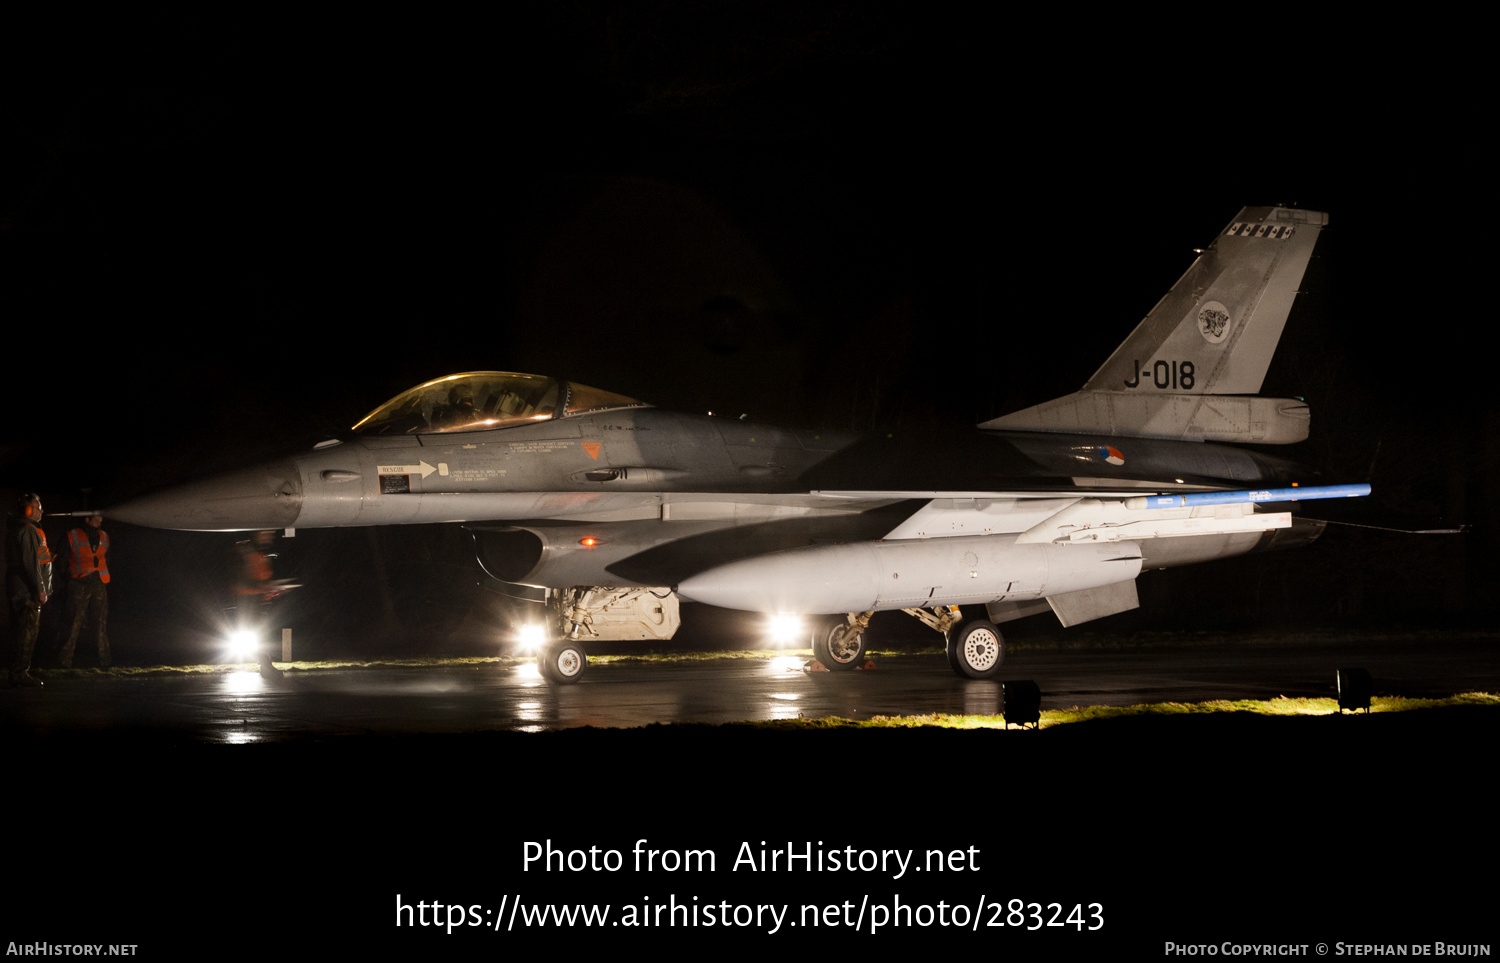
{"x":421,"y":468}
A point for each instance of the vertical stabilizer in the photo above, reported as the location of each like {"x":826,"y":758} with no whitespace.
{"x":1191,"y":367}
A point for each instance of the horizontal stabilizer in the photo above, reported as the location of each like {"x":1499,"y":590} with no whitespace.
{"x":1231,"y":418}
{"x":1452,"y":530}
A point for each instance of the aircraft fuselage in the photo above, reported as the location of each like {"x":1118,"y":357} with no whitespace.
{"x":629,"y":464}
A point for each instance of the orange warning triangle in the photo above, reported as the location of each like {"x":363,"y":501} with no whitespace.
{"x":592,"y":447}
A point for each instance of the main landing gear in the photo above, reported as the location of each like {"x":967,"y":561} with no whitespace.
{"x":562,"y":663}
{"x":976,"y":649}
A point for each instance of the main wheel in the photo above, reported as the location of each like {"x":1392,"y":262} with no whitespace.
{"x":562,"y":663}
{"x":837,"y":647}
{"x":975,"y":649}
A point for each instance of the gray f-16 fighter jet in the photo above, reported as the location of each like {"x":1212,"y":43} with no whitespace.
{"x":612,"y":510}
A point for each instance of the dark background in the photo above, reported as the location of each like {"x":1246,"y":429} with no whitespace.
{"x":882,"y":219}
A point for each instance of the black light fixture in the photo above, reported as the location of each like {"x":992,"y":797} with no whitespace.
{"x":1354,"y":689}
{"x":1021,"y":702}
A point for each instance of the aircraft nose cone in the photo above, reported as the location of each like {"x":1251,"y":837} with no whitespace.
{"x":266,"y":497}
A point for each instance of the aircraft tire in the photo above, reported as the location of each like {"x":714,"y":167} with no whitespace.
{"x":833,"y":646}
{"x":562,"y":663}
{"x":976,"y":650}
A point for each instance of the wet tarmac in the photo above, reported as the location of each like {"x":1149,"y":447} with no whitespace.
{"x":234,"y":706}
{"x":189,"y":813}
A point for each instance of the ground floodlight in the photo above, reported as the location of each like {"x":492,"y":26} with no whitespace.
{"x":1021,"y":702}
{"x":1354,"y":689}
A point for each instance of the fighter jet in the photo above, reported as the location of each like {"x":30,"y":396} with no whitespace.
{"x":611,"y":510}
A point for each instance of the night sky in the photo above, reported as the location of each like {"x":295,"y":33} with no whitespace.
{"x":832,"y":216}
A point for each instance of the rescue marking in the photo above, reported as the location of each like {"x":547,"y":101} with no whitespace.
{"x":420,"y":468}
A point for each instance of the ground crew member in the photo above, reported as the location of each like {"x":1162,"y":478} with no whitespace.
{"x":254,"y":589}
{"x":88,"y":573}
{"x":28,"y":566}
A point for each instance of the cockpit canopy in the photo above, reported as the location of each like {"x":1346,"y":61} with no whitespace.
{"x":481,"y":400}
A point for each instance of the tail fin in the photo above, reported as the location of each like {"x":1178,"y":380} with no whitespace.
{"x":1191,"y":368}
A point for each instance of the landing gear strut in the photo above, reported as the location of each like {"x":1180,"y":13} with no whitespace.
{"x":840,"y":645}
{"x":976,"y":649}
{"x":601,"y":613}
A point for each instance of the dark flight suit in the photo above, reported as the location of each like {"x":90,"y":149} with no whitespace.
{"x":29,"y":577}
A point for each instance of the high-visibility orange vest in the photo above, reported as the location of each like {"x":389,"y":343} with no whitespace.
{"x":256,"y":574}
{"x":44,"y":554}
{"x":84,"y":558}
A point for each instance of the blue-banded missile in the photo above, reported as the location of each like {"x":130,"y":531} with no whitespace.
{"x":1247,"y":497}
{"x":916,"y":573}
{"x":1176,"y":516}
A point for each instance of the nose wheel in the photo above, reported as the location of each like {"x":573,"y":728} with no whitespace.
{"x":839,"y":646}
